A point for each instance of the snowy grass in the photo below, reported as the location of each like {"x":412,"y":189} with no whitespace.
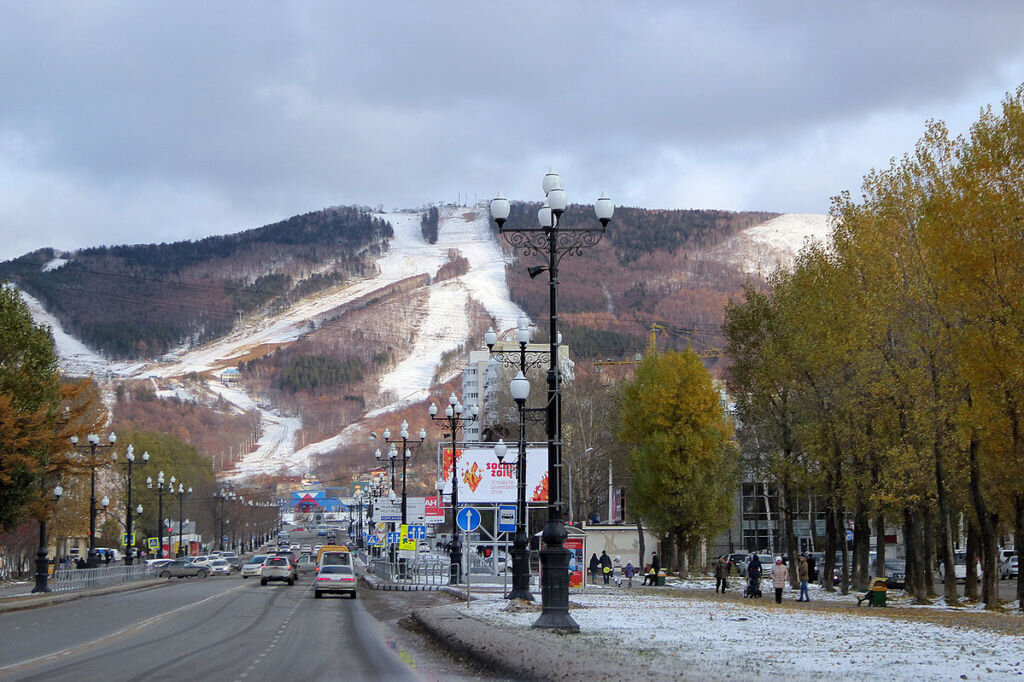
{"x":760,"y":638}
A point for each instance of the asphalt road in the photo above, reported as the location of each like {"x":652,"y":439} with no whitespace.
{"x":219,"y":628}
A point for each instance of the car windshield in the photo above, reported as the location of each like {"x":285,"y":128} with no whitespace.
{"x":220,"y":562}
{"x":336,"y":569}
{"x":258,"y":559}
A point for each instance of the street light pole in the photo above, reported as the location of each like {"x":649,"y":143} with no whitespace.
{"x":42,"y":563}
{"x":129,"y":540}
{"x":406,"y":453}
{"x":454,"y":420}
{"x":181,"y":494}
{"x":160,"y":510}
{"x":94,"y":444}
{"x":550,"y":239}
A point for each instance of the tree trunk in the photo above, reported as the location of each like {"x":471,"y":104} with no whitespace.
{"x":914,"y":585}
{"x":928,"y":547}
{"x":643,"y":548}
{"x":786,"y":502}
{"x":812,"y":519}
{"x":988,"y":521}
{"x":844,"y":578}
{"x":1018,"y":542}
{"x":945,"y":548}
{"x":879,"y":568}
{"x":861,"y":547}
{"x":971,"y":583}
{"x":828,"y":569}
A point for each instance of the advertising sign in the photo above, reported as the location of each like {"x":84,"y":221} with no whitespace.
{"x":482,"y":479}
{"x":433,"y":510}
{"x":575,"y":547}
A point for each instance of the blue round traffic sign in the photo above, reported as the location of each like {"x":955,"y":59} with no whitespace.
{"x":468,"y":519}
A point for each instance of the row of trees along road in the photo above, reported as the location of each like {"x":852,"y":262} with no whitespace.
{"x":886,"y":373}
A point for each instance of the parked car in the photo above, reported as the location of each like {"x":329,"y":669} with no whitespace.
{"x":180,"y":568}
{"x":959,"y":566}
{"x":200,"y":560}
{"x":1010,"y":567}
{"x":739,"y":563}
{"x":251,"y":568}
{"x":895,"y":573}
{"x":236,"y":563}
{"x":277,"y":568}
{"x":335,"y":578}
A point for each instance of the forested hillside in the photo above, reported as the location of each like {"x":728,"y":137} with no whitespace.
{"x":646,"y":269}
{"x":143,"y":300}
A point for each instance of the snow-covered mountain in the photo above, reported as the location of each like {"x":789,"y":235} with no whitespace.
{"x":442,"y":325}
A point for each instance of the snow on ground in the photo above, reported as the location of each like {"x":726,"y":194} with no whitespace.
{"x":54,"y":264}
{"x":755,"y":639}
{"x":275,"y":450}
{"x":764,"y":248}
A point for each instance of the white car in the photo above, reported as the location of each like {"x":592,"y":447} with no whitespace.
{"x":219,"y":567}
{"x":335,"y":578}
{"x":201,"y":560}
{"x":1010,"y":567}
{"x":251,"y":568}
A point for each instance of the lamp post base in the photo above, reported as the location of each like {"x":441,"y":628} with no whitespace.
{"x":520,"y":571}
{"x":42,"y":572}
{"x":92,"y":559}
{"x":455,"y":577}
{"x":554,"y":582}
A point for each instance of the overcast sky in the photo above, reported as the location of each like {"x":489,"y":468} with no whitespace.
{"x":128,"y":122}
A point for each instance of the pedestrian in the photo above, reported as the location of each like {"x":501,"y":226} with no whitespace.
{"x":594,"y":567}
{"x":779,"y":576}
{"x":617,"y":571}
{"x":606,"y":566}
{"x":804,"y":573}
{"x":720,"y":570}
{"x":652,"y":577}
{"x":655,"y":563}
{"x":628,"y":571}
{"x":753,"y":577}
{"x":812,"y":569}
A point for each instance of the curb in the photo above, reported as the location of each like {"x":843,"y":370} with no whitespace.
{"x":39,"y":601}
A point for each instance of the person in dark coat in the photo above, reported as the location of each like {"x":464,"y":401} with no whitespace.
{"x":753,"y":577}
{"x":606,"y":566}
{"x":594,"y":567}
{"x":655,"y":563}
{"x":721,"y":575}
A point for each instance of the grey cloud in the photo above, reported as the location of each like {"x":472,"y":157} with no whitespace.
{"x":219,"y":114}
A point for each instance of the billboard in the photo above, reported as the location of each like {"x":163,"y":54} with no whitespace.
{"x":482,"y":479}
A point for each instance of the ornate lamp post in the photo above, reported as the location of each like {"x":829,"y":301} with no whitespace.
{"x":520,"y":389}
{"x":406,"y":453}
{"x":181,"y":494}
{"x":555,"y":242}
{"x":454,"y":420}
{"x":42,"y":563}
{"x":94,"y":444}
{"x":160,"y":510}
{"x":129,"y":540}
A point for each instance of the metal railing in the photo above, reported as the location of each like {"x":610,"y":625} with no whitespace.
{"x":420,"y":571}
{"x":70,"y":579}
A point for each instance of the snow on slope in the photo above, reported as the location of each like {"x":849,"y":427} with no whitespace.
{"x":764,"y":248}
{"x":75,"y":358}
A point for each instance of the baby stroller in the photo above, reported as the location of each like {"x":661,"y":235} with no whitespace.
{"x":753,"y":590}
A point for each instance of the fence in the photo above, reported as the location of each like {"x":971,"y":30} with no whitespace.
{"x":420,"y":571}
{"x":70,"y":579}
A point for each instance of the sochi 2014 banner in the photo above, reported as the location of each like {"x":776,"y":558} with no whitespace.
{"x":482,"y":479}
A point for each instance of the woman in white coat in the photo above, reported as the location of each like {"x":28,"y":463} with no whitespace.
{"x":780,"y":573}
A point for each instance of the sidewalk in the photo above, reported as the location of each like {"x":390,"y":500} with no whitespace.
{"x":18,"y":596}
{"x":683,"y":632}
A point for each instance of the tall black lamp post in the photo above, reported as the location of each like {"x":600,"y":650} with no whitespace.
{"x":520,"y":389}
{"x":160,"y":510}
{"x":405,"y":453}
{"x":129,"y":540}
{"x":181,"y":494}
{"x":555,"y":242}
{"x":42,"y":563}
{"x":453,"y":419}
{"x":94,"y":444}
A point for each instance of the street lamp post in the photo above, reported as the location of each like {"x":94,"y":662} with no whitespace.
{"x":406,"y":453}
{"x":454,"y":420}
{"x":181,"y":494}
{"x":94,"y":444}
{"x":555,"y":242}
{"x":42,"y":563}
{"x":520,"y":389}
{"x":129,"y":541}
{"x":160,"y":510}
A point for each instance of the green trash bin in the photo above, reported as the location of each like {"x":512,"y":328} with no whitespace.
{"x":661,"y":578}
{"x":879,"y":587}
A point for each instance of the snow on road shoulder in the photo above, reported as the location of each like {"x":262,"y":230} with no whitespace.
{"x":775,"y":641}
